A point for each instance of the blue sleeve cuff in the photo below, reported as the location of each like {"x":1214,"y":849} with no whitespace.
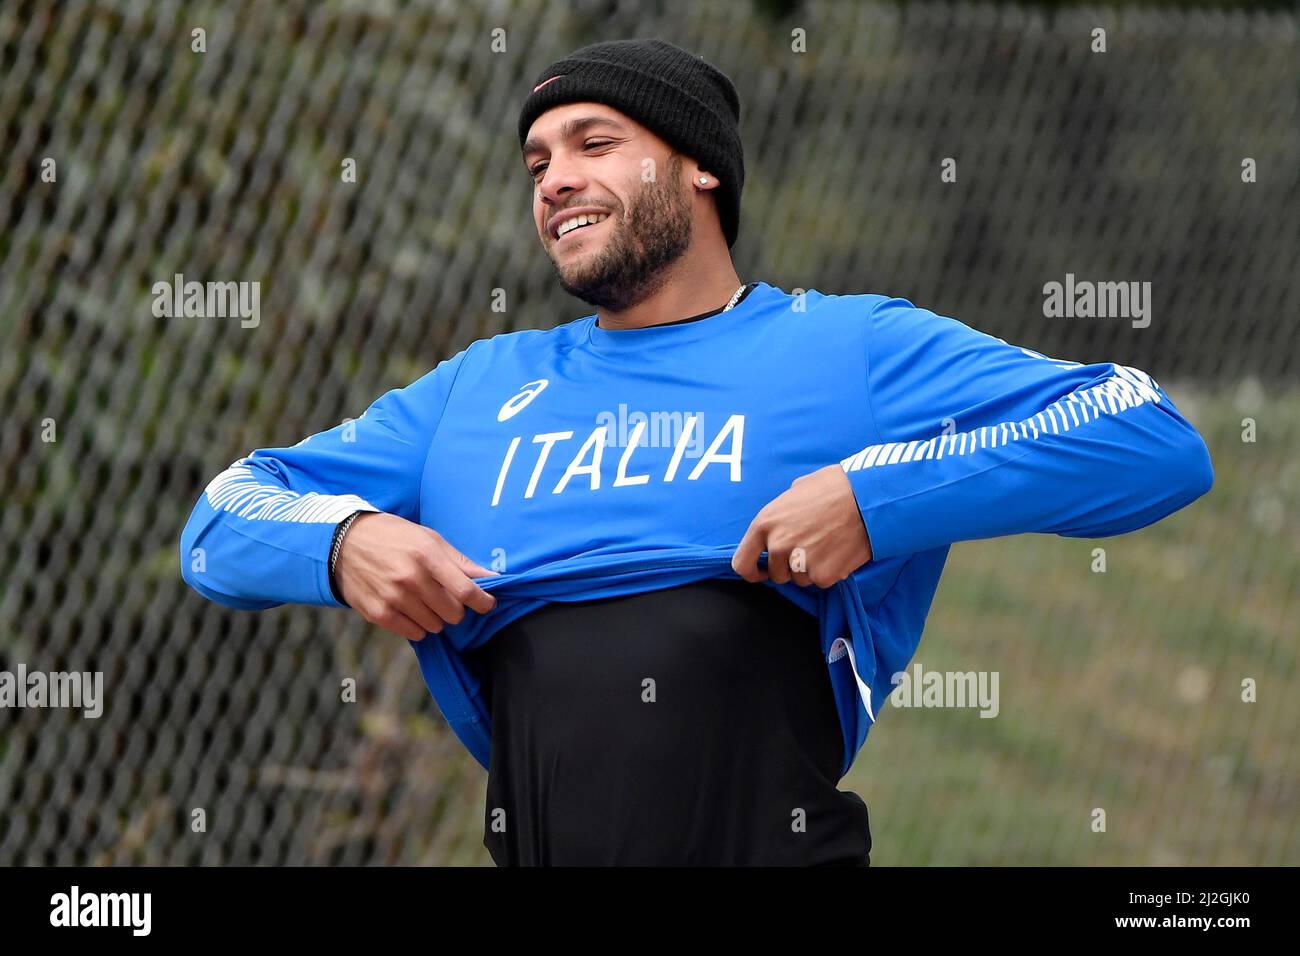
{"x":888,"y":539}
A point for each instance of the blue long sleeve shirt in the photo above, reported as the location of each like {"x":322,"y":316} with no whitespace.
{"x":583,"y":462}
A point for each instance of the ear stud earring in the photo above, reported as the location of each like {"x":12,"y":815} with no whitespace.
{"x":703,"y":180}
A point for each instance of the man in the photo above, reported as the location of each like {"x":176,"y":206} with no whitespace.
{"x":692,"y":609}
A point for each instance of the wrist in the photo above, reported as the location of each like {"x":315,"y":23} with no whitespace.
{"x":336,"y":548}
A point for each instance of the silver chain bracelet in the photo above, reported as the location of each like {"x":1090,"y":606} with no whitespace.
{"x":339,"y":532}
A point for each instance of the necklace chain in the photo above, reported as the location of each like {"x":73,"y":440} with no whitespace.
{"x":734,"y":296}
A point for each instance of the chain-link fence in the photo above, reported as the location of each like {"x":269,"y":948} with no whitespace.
{"x":358,"y":160}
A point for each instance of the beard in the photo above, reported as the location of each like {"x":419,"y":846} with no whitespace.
{"x":633,"y":263}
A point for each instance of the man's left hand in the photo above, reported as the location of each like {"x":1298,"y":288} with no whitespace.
{"x":812,"y":533}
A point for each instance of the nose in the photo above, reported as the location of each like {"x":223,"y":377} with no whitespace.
{"x":558,"y":180}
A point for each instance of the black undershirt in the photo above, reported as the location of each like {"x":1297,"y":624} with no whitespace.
{"x":693,"y":725}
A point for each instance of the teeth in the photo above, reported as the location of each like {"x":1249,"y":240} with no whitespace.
{"x":582,"y":220}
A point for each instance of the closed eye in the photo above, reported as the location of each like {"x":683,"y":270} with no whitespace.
{"x":539,"y":168}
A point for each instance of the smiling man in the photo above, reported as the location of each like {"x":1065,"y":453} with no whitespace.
{"x":680,"y":644}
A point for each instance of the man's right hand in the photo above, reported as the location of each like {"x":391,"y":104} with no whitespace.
{"x":405,"y":577}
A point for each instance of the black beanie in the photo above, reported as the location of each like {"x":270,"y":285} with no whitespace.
{"x":685,"y":101}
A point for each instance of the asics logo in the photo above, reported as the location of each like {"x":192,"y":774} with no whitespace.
{"x":517,"y":403}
